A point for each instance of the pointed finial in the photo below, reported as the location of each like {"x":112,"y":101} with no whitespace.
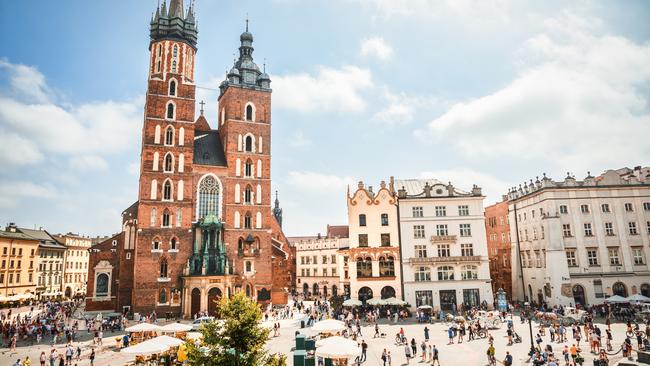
{"x":246,"y":22}
{"x":264,"y":65}
{"x":202,"y":103}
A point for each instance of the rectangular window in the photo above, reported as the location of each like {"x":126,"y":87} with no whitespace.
{"x":420,"y":251}
{"x":609,"y":229}
{"x":598,"y":289}
{"x":646,"y":206}
{"x":441,"y":211}
{"x":17,"y":277}
{"x":592,"y":256}
{"x":465,"y":230}
{"x":2,"y":278}
{"x":417,"y":211}
{"x":463,"y":210}
{"x":424,"y":297}
{"x":315,"y":259}
{"x":308,"y":272}
{"x":363,"y":240}
{"x":588,"y":231}
{"x":632,"y":228}
{"x":418,"y":231}
{"x":302,"y":272}
{"x":637,"y":254}
{"x":467,"y":250}
{"x":571,"y":258}
{"x":302,"y":260}
{"x":471,"y":297}
{"x":584,"y":209}
{"x":441,"y":230}
{"x":605,"y":207}
{"x":538,"y":259}
{"x":628,"y":207}
{"x":564,"y":209}
{"x":334,"y":272}
{"x":647,"y":224}
{"x":385,"y":240}
{"x":566,"y":230}
{"x":362,"y":220}
{"x":613,"y":257}
{"x":333,"y":261}
{"x":384,"y":219}
{"x":443,"y":250}
{"x":324,"y":259}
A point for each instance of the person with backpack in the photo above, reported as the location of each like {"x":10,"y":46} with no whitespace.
{"x":435,"y":357}
{"x":507,"y":361}
{"x":384,"y":357}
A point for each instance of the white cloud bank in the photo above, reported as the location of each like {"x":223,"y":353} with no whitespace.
{"x":329,"y":89}
{"x":580,"y":100}
{"x":376,"y":47}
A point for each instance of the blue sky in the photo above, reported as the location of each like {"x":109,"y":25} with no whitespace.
{"x":474,"y":92}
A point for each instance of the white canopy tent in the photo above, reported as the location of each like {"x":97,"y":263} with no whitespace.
{"x":175,"y":328}
{"x":329,"y":326}
{"x":339,"y":348}
{"x":352,"y":302}
{"x":394,"y":301}
{"x":143,"y":327}
{"x":616,"y":299}
{"x":337,"y":340}
{"x":154,"y":345}
{"x":376,"y":301}
{"x":638,"y":298}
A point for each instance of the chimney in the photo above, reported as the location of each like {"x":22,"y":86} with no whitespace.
{"x":11,"y":227}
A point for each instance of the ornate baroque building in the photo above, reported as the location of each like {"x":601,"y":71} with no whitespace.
{"x":594,"y":234}
{"x":203,"y":226}
{"x":371,"y":264}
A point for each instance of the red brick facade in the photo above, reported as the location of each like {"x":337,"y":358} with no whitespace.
{"x":163,"y":244}
{"x":497,"y":229}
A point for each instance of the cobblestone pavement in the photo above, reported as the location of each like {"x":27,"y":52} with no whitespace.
{"x":467,"y":353}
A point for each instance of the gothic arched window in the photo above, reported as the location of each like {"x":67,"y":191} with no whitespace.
{"x":248,"y":144}
{"x":169,"y":136}
{"x":101,"y":288}
{"x":169,"y":163}
{"x":163,"y":269}
{"x":166,"y":219}
{"x":249,"y":112}
{"x":172,"y":88}
{"x":386,"y":266}
{"x":247,"y":220}
{"x":167,"y":191}
{"x":248,"y":168}
{"x":162,"y":299}
{"x":174,"y":66}
{"x":172,"y":244}
{"x":248,"y":195}
{"x":208,"y":196}
{"x":170,"y":110}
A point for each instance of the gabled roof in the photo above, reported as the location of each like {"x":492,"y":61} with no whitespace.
{"x":208,"y":149}
{"x":44,"y":238}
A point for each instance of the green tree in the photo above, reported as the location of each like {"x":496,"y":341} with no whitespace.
{"x":237,"y":339}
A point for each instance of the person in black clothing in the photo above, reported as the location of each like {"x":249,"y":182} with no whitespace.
{"x":364,"y":349}
{"x":414,"y":347}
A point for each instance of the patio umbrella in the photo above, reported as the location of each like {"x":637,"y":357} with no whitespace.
{"x":175,"y":327}
{"x":376,"y":301}
{"x":143,"y":327}
{"x":3,"y":298}
{"x":155,"y":345}
{"x":395,"y":301}
{"x":425,"y":307}
{"x":338,"y":349}
{"x":338,"y":340}
{"x":616,"y":299}
{"x":352,"y":302}
{"x":638,"y":298}
{"x":329,"y":325}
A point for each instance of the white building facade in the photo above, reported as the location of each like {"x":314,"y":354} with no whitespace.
{"x":75,"y":268}
{"x":443,"y":244}
{"x":579,"y":242}
{"x":371,"y":263}
{"x":317,"y":266}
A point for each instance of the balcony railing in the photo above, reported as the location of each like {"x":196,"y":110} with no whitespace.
{"x":251,"y":252}
{"x":452,"y":259}
{"x":444,"y":239}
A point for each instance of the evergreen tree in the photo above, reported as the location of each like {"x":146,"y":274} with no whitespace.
{"x":237,"y":339}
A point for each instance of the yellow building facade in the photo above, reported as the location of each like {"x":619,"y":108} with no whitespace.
{"x":18,"y":262}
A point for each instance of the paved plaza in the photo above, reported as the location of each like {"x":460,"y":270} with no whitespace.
{"x":466,"y":353}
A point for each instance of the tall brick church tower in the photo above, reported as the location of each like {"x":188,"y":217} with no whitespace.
{"x":203,"y":226}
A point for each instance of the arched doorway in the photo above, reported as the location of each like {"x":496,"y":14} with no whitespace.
{"x":305,"y":289}
{"x":68,"y":292}
{"x":365,"y":293}
{"x":315,"y":290}
{"x":195,"y":306}
{"x":387,"y":292}
{"x":645,"y":290}
{"x":325,"y":291}
{"x":334,"y":291}
{"x":579,"y":295}
{"x":619,"y":289}
{"x":540,"y":297}
{"x":213,"y":296}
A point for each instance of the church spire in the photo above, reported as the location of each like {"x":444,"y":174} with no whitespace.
{"x":277,"y":211}
{"x":173,"y":25}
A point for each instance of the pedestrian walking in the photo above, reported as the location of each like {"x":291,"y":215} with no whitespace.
{"x":423,"y":349}
{"x":435,"y":357}
{"x":364,"y":350}
{"x":426,"y":334}
{"x":43,"y":358}
{"x":384,"y":357}
{"x":407,"y":352}
{"x":92,"y":357}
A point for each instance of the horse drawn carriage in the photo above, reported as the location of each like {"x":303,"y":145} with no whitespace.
{"x":489,"y":319}
{"x":571,"y":316}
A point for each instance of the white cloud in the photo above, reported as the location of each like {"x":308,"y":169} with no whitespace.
{"x":464,"y":179}
{"x":26,"y":81}
{"x":88,"y":163}
{"x":299,"y":140}
{"x":11,"y":191}
{"x":376,"y":47}
{"x":318,"y":182}
{"x":329,"y":89}
{"x":574,"y":104}
{"x":32,"y":124}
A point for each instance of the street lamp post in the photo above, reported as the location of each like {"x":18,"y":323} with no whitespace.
{"x":529,"y":316}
